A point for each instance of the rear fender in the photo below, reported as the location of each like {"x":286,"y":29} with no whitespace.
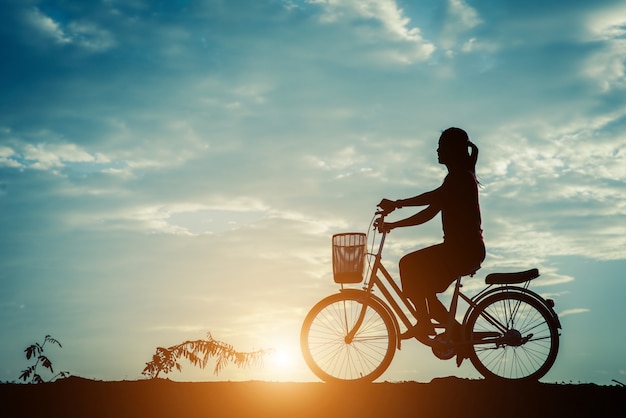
{"x":511,"y":289}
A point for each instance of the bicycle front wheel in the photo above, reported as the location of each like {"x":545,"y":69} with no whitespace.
{"x":514,"y":337}
{"x":348,"y":337}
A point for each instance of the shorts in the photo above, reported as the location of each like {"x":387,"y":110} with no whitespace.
{"x":432,"y":269}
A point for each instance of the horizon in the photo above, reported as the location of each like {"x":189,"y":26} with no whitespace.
{"x":176,"y":168}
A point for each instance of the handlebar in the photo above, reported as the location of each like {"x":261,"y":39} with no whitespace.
{"x":380,"y":220}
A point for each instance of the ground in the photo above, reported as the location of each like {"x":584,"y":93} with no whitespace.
{"x":445,"y":397}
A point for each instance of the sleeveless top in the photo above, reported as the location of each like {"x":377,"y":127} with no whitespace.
{"x":460,"y":210}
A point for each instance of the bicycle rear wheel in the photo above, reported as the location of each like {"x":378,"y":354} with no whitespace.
{"x":514,"y":337}
{"x":328,"y":347}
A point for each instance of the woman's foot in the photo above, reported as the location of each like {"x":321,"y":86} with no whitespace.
{"x":421,"y":330}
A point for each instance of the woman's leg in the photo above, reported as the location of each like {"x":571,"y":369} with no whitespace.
{"x":437,"y":310}
{"x":420,"y":271}
{"x":410,"y":276}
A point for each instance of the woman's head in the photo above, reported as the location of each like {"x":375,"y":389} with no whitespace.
{"x":454,"y":150}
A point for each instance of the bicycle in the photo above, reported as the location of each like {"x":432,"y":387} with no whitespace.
{"x":508,"y":331}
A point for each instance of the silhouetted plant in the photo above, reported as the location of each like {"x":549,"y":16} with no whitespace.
{"x":35,"y":351}
{"x":198,"y":353}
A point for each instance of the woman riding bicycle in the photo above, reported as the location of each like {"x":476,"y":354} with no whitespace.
{"x":429,"y":271}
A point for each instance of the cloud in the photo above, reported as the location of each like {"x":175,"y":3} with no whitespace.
{"x":607,"y":23}
{"x":574,"y":311}
{"x":46,"y":26}
{"x":406,"y":43}
{"x":461,"y":18}
{"x":557,"y":182}
{"x":44,"y":156}
{"x":8,"y":158}
{"x":191,"y":218}
{"x":607,"y":66}
{"x":90,"y":36}
{"x":84,"y":34}
{"x":47,"y":156}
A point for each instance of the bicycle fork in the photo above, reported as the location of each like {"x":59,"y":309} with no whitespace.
{"x":350,"y":333}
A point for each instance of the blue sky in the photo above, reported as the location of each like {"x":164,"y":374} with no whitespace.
{"x":170,"y":168}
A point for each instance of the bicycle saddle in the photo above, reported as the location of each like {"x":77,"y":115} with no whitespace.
{"x":512,"y":278}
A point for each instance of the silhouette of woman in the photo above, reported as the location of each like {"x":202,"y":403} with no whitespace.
{"x":429,"y":271}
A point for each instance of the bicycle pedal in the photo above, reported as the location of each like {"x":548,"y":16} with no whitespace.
{"x":459,"y":359}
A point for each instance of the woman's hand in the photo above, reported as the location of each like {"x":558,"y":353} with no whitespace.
{"x":382,"y":226}
{"x":387,"y":205}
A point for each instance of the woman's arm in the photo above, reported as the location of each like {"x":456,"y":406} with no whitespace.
{"x":428,"y":198}
{"x":423,"y":199}
{"x":419,"y":218}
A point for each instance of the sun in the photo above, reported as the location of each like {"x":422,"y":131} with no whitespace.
{"x":281,"y":358}
{"x":283,"y":361}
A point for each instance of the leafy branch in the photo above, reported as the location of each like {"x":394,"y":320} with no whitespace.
{"x":35,"y":351}
{"x":198,"y":353}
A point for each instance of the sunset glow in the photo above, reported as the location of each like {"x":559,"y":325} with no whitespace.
{"x":174,"y":168}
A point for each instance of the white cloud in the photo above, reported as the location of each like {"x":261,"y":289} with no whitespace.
{"x":90,"y":36}
{"x":7,"y":158}
{"x":87,"y":35}
{"x":479,"y":45}
{"x":254,"y":93}
{"x":558,"y":190}
{"x":461,"y":18}
{"x":540,"y":150}
{"x":49,"y":156}
{"x":340,"y":160}
{"x":206,"y":215}
{"x":46,"y":26}
{"x":608,"y":24}
{"x":574,"y":311}
{"x":396,"y":27}
{"x":608,"y":65}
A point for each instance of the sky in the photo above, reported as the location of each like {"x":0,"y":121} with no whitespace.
{"x":173,"y":168}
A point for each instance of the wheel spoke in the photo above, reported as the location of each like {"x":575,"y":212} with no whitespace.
{"x":340,"y":341}
{"x":528,"y":341}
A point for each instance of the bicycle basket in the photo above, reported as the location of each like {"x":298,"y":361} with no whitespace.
{"x":349,"y":257}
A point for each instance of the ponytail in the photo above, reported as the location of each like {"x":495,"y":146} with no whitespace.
{"x":473,"y":157}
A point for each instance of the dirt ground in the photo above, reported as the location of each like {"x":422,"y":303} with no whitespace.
{"x":445,"y":397}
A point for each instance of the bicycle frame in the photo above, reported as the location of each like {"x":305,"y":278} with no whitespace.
{"x":391,"y":293}
{"x":383,"y":286}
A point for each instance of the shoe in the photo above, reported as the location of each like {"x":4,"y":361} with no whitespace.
{"x":420,"y":331}
{"x":464,"y":349}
